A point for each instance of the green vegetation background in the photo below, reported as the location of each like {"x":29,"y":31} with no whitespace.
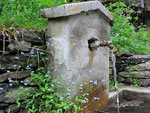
{"x":26,"y":14}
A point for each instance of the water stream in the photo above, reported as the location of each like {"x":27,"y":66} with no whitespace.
{"x":113,"y":58}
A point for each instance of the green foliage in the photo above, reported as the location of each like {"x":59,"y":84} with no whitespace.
{"x":112,"y":84}
{"x":25,"y":13}
{"x":123,"y":32}
{"x":42,"y":96}
{"x":40,"y":93}
{"x":134,"y":82}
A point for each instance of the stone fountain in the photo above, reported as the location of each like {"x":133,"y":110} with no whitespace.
{"x":74,"y":32}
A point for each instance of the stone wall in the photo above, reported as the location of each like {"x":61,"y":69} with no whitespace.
{"x":19,"y":55}
{"x":21,"y":51}
{"x":133,"y":69}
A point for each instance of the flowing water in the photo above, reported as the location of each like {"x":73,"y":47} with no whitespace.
{"x":113,"y":58}
{"x":126,"y":105}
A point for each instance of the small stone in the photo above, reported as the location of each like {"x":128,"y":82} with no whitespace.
{"x":14,"y":75}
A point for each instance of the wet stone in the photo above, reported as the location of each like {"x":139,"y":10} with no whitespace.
{"x":9,"y":97}
{"x":3,"y":88}
{"x":14,"y":75}
{"x":13,"y":108}
{"x":1,"y":111}
{"x":33,"y":36}
{"x":124,"y":54}
{"x":137,"y":59}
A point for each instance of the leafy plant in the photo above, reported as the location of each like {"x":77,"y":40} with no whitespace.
{"x":40,"y":93}
{"x":134,"y":82}
{"x":123,"y":33}
{"x":112,"y":83}
{"x":42,"y":96}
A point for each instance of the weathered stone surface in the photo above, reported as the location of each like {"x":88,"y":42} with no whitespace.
{"x":144,"y":82}
{"x":1,"y":111}
{"x":147,"y":4}
{"x":2,"y":105}
{"x":110,"y":64}
{"x":135,"y":81}
{"x":110,"y":71}
{"x":133,"y":69}
{"x":69,"y":39}
{"x":9,"y":97}
{"x":6,"y":64}
{"x":129,"y":93}
{"x":3,"y":88}
{"x":136,"y":59}
{"x":138,"y":3}
{"x":12,"y":108}
{"x":14,"y":75}
{"x":31,"y":35}
{"x":137,"y":71}
{"x":11,"y":62}
{"x":135,"y":74}
{"x":19,"y":46}
{"x":124,"y":54}
{"x":76,"y":8}
{"x":140,"y":67}
{"x":21,"y":53}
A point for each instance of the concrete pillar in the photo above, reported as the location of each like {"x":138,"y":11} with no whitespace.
{"x":71,"y":31}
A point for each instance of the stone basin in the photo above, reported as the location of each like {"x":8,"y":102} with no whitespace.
{"x":131,"y":100}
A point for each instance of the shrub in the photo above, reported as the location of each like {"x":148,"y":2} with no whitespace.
{"x":44,"y":94}
{"x":123,"y":33}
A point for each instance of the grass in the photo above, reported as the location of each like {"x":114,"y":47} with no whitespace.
{"x":25,"y":13}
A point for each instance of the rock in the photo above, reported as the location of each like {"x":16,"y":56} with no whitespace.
{"x":14,"y":75}
{"x":3,"y":88}
{"x":121,"y":67}
{"x":9,"y":97}
{"x":137,"y":3}
{"x":132,"y":73}
{"x":135,"y":74}
{"x":144,"y":82}
{"x":12,"y":108}
{"x":31,"y":35}
{"x":124,"y":54}
{"x":15,"y":62}
{"x":1,"y":111}
{"x":7,"y":64}
{"x":147,"y":5}
{"x":2,"y":105}
{"x":19,"y":46}
{"x":140,"y":67}
{"x":20,"y":55}
{"x":110,"y":64}
{"x":139,"y":82}
{"x":110,"y":71}
{"x":137,"y":59}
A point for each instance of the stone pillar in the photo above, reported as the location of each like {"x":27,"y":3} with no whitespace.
{"x":71,"y":31}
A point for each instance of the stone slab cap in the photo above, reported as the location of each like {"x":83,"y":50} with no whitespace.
{"x":76,"y":8}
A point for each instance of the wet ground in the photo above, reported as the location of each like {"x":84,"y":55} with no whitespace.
{"x":133,"y":106}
